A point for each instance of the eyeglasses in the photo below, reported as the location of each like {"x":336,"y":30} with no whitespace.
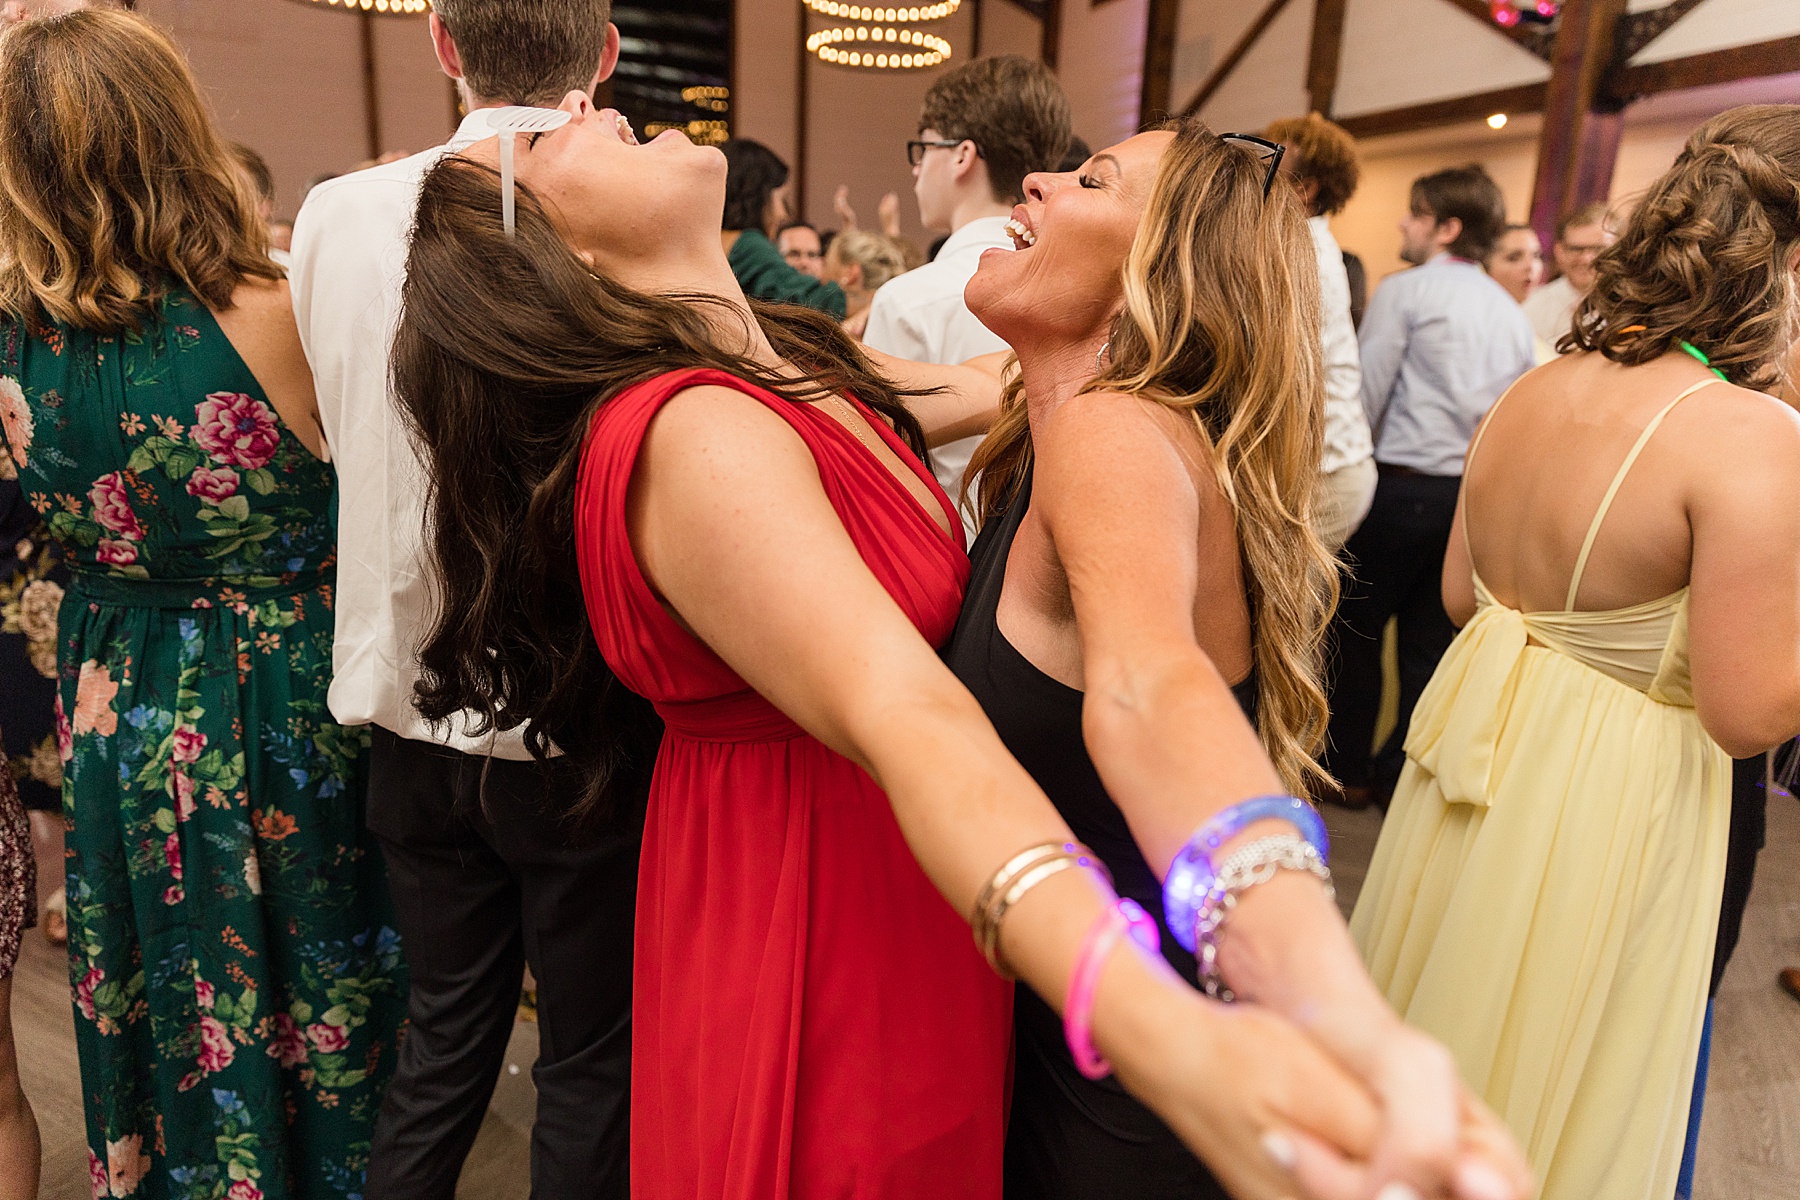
{"x":1262,"y":148}
{"x":915,"y":151}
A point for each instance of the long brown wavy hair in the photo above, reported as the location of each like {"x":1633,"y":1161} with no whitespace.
{"x":1705,"y":255}
{"x":114,"y":181}
{"x":506,"y":349}
{"x":1221,"y":322}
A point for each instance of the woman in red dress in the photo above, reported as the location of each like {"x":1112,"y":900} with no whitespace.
{"x":735,"y":495}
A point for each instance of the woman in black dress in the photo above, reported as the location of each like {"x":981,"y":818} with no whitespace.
{"x":1147,"y":495}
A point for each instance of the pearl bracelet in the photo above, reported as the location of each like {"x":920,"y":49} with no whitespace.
{"x":1244,"y":869}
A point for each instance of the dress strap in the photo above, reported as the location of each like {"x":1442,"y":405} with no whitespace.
{"x":1587,"y":545}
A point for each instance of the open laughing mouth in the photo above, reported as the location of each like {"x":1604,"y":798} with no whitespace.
{"x":1023,"y":235}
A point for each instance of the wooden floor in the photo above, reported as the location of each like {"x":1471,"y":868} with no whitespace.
{"x":1750,"y":1140}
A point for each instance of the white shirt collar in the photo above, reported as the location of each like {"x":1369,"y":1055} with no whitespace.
{"x":473,"y":129}
{"x":981,"y":232}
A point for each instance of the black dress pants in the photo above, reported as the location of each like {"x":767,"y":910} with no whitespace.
{"x":1395,"y":565}
{"x":486,"y":878}
{"x":1749,"y":828}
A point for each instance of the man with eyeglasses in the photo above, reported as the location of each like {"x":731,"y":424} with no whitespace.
{"x":802,"y":248}
{"x":984,"y":126}
{"x":1580,"y":237}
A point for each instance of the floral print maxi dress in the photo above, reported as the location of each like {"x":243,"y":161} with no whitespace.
{"x":238,"y":983}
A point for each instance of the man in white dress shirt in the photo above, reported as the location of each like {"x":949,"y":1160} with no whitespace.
{"x":1580,"y":237}
{"x":984,"y":126}
{"x":485,"y":877}
{"x":1320,"y":164}
{"x":1439,"y":343}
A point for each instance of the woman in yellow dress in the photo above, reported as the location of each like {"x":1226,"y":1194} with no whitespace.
{"x":1626,"y":560}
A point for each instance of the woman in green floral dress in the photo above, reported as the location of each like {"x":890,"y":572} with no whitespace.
{"x":237,"y":982}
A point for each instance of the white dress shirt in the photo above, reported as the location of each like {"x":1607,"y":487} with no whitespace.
{"x":1347,"y":439}
{"x":1551,"y":309}
{"x":349,"y":259}
{"x":921,"y":316}
{"x":1439,"y":344}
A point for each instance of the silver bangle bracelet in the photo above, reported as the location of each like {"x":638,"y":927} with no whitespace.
{"x":1245,"y":868}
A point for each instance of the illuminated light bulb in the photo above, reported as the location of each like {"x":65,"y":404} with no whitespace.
{"x":1497,"y":121}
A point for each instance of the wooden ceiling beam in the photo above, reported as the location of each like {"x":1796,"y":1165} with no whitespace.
{"x":1778,"y":57}
{"x":1234,"y":56}
{"x":1640,"y":29}
{"x":1567,"y":173}
{"x":1326,"y":53}
{"x":1159,"y":60}
{"x":1526,"y":98}
{"x":1532,"y":38}
{"x":1051,"y":44}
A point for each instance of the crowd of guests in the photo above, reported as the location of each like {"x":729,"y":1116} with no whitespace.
{"x":725,"y":619}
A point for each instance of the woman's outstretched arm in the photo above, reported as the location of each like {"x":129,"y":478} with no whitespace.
{"x":1173,"y":748}
{"x":970,"y":396}
{"x":732,"y":528}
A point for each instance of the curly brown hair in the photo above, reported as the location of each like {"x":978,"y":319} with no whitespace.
{"x":1707,"y":256}
{"x":114,"y":182}
{"x":1324,"y":153}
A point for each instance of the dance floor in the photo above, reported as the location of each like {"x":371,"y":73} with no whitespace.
{"x":1750,"y":1143}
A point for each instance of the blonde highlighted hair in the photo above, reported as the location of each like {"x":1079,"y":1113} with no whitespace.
{"x":114,"y":182}
{"x":1221,"y":322}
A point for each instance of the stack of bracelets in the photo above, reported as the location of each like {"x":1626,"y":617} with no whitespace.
{"x":1198,"y":895}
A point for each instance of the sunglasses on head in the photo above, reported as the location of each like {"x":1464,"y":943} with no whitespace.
{"x":1262,"y":148}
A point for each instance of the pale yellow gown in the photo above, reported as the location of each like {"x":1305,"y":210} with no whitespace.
{"x":1545,"y":893}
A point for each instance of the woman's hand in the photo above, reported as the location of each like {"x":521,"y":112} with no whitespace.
{"x":1269,"y":1112}
{"x":888,"y":213}
{"x":1286,"y":947}
{"x":840,"y":204}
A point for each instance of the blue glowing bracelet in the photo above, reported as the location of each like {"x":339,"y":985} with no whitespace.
{"x":1193,"y":873}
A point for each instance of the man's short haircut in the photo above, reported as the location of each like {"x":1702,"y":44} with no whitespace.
{"x":1324,"y":153}
{"x":1595,"y":213}
{"x":256,"y":168}
{"x":1471,"y":196}
{"x":526,"y":51}
{"x":1012,"y":108}
{"x":752,"y":173}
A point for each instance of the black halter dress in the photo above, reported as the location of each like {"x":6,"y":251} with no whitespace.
{"x":1069,"y":1138}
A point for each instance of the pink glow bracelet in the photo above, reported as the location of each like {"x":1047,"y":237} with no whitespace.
{"x":1124,"y":916}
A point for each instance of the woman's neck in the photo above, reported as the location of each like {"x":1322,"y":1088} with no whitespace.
{"x":709,"y":274}
{"x":1053,"y":373}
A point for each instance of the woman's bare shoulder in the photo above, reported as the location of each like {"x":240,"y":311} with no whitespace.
{"x":1098,"y":442}
{"x":713,"y":423}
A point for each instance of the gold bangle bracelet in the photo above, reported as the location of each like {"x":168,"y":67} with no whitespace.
{"x":1026,"y":882}
{"x":1020,"y":874}
{"x":1010,"y":870}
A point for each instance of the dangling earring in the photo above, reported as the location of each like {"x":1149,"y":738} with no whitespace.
{"x":1100,"y":354}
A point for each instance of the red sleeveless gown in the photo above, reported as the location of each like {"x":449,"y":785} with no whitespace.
{"x":810,"y":1017}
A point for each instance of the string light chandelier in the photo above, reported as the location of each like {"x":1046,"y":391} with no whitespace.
{"x":868,"y":46}
{"x":393,"y":8}
{"x":876,"y":42}
{"x":862,"y":12}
